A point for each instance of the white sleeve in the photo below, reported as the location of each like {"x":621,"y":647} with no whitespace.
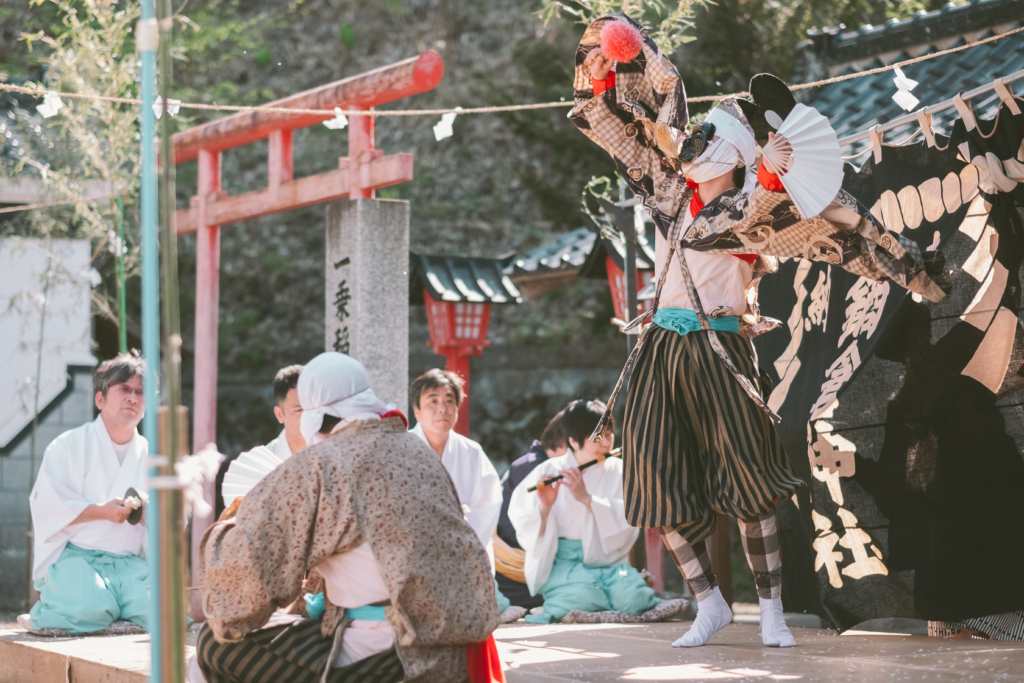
{"x":485,"y":503}
{"x":607,"y":536}
{"x":524,"y":513}
{"x":58,"y":497}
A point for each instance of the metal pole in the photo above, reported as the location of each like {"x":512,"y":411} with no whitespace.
{"x":146,"y":36}
{"x":122,"y":315}
{"x":171,"y":516}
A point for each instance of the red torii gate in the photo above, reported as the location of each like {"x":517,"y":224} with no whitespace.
{"x":364,"y":170}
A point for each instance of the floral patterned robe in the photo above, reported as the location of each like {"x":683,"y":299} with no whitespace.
{"x":370,"y":482}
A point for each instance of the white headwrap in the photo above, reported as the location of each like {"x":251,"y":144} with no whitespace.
{"x":335,"y":384}
{"x":734,"y":144}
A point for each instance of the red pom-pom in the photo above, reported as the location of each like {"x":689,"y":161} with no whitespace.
{"x":621,"y":41}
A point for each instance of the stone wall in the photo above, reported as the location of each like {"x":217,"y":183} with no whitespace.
{"x":71,"y":409}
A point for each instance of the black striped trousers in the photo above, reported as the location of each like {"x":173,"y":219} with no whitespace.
{"x":296,"y":654}
{"x":694,"y":444}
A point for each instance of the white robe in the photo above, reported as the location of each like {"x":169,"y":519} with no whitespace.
{"x":79,"y":469}
{"x":603,"y":529}
{"x":351,"y":580}
{"x":476,"y":482}
{"x":280,"y":447}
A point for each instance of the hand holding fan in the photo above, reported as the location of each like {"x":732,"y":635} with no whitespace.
{"x":246,"y":471}
{"x":805,"y":153}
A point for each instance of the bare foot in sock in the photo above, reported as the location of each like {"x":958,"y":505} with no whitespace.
{"x":774,"y":632}
{"x":713,"y":614}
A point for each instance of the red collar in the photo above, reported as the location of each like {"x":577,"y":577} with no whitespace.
{"x":695,"y":204}
{"x":395,"y":413}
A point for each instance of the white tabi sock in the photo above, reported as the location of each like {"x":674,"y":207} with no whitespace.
{"x":713,"y":614}
{"x":774,"y":632}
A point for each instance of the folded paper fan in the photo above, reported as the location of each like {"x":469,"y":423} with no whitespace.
{"x":809,"y":161}
{"x":246,"y":471}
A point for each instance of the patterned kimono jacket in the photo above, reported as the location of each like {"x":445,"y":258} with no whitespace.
{"x":647,"y":99}
{"x":370,"y":482}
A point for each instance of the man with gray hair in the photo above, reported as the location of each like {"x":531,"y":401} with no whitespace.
{"x":87,"y":514}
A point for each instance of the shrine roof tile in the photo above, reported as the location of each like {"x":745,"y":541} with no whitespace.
{"x":855,"y":105}
{"x":460,"y":279}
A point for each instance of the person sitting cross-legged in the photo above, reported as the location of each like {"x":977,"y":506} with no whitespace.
{"x":87,"y":558}
{"x":575,"y":533}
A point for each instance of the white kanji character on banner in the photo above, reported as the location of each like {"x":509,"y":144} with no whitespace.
{"x":824,"y":545}
{"x":867,"y":299}
{"x":831,"y":456}
{"x":817,"y":309}
{"x":856,"y":541}
{"x":839,"y":373}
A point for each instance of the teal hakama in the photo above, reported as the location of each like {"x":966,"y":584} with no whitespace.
{"x":503,"y":602}
{"x":86,"y":591}
{"x":574,"y":585}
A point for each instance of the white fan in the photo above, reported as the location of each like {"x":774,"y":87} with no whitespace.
{"x":245,"y":472}
{"x":811,"y":164}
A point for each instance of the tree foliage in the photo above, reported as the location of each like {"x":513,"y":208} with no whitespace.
{"x":89,"y":143}
{"x":670,"y":23}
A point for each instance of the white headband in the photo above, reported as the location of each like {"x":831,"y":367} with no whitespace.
{"x":728,"y":127}
{"x":335,"y":384}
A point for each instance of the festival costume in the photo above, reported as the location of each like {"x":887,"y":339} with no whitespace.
{"x":89,"y":574}
{"x":379,"y":522}
{"x":698,"y":434}
{"x":580,"y":559}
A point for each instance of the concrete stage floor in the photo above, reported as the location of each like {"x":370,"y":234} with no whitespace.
{"x":598,"y":653}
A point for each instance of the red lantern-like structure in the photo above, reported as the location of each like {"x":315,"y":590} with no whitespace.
{"x":458,"y":293}
{"x":617,"y":282}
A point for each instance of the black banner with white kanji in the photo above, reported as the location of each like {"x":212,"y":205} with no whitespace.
{"x":904,"y":416}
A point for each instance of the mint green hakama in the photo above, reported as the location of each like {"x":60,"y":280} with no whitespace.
{"x":573,"y":585}
{"x":86,"y":591}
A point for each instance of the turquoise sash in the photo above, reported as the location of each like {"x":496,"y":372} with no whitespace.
{"x":366,"y":612}
{"x":684,"y":321}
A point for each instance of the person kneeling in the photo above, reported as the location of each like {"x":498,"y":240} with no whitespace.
{"x":574,"y":531}
{"x":88,"y":548}
{"x":369,"y":509}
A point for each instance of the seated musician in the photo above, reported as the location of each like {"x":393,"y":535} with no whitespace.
{"x":574,"y":531}
{"x":369,"y":512}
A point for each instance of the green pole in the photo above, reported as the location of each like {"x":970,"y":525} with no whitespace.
{"x":122,"y":316}
{"x":172,"y":559}
{"x":146,"y":39}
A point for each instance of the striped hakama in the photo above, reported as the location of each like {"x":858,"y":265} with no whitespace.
{"x":694,"y":444}
{"x":297,"y":653}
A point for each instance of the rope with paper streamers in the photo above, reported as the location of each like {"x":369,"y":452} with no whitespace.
{"x":478,"y":110}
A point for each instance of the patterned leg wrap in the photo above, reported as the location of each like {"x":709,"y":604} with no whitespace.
{"x":693,"y":561}
{"x":760,"y":537}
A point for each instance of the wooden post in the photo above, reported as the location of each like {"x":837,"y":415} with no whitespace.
{"x":459,"y":364}
{"x":207,"y":307}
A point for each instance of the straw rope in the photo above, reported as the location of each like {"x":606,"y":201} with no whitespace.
{"x":483,"y":110}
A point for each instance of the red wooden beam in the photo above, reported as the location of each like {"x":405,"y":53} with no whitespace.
{"x":223,"y":209}
{"x":386,"y":84}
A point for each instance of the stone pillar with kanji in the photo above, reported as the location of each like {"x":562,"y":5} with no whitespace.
{"x":367,"y":290}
